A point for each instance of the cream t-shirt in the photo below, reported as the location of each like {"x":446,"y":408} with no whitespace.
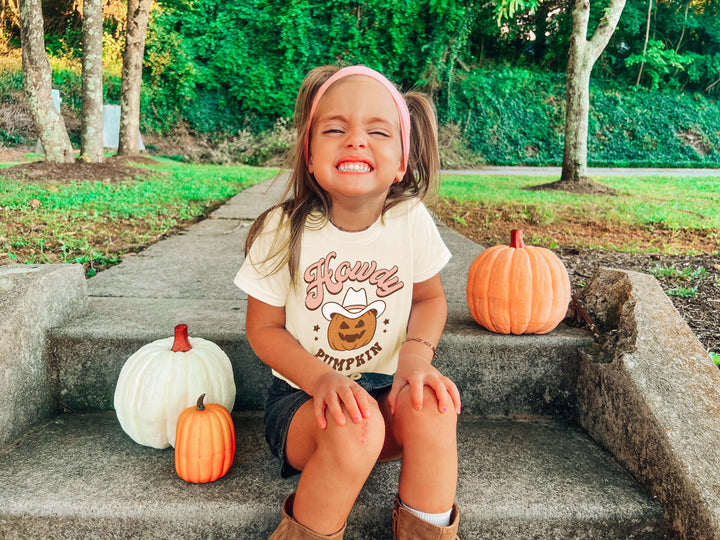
{"x":351,"y":301}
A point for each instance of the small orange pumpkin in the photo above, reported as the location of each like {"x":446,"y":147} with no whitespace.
{"x":204,"y":442}
{"x":518,"y":289}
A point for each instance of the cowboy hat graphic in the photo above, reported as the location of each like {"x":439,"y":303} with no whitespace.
{"x":354,"y":305}
{"x":352,"y":324}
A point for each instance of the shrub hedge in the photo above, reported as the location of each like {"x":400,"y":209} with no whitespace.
{"x":507,"y":116}
{"x":512,"y":116}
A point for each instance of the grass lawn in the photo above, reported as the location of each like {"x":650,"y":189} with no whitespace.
{"x":669,"y":201}
{"x":667,"y":214}
{"x":95,"y":222}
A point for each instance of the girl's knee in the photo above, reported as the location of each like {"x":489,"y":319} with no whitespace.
{"x":429,"y":419}
{"x":353,"y":443}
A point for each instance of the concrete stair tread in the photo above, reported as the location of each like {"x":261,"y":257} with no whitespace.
{"x":79,"y":475}
{"x":497,"y":374}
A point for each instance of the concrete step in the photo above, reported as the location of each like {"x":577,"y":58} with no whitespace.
{"x":80,"y":476}
{"x":496,"y":374}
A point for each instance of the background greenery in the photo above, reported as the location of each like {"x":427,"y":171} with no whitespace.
{"x":228,"y":69}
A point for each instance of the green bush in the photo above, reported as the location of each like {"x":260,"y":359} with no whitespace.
{"x":227,"y":67}
{"x":512,"y":116}
{"x":637,"y":126}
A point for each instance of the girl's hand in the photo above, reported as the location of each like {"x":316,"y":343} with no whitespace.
{"x":332,"y":391}
{"x":417,"y":372}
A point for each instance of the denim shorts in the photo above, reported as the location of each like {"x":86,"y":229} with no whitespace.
{"x":284,"y":401}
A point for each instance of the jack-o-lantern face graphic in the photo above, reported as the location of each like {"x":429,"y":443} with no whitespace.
{"x":345,"y":333}
{"x":352,"y":324}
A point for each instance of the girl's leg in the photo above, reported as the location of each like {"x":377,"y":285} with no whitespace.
{"x":335,"y":463}
{"x":428,"y":442}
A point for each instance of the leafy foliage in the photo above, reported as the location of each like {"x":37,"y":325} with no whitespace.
{"x":658,"y":62}
{"x":514,"y":116}
{"x":230,"y":71}
{"x":229,"y":66}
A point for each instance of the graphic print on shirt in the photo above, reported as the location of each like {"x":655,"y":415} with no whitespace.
{"x":354,"y":325}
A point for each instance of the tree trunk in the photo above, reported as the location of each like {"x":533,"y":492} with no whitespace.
{"x":91,"y":124}
{"x":577,"y":98}
{"x":137,"y":21}
{"x":38,"y":85}
{"x":540,"y":29}
{"x":582,"y":57}
{"x":647,"y":38}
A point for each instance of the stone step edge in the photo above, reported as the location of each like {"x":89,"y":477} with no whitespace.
{"x":80,"y":474}
{"x":496,"y":374}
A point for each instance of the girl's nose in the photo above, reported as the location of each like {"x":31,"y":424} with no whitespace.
{"x":356,"y":139}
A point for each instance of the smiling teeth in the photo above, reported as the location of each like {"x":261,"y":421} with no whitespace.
{"x":354,"y":167}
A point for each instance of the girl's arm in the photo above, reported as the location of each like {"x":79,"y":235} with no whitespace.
{"x":275,"y":346}
{"x":427,"y":320}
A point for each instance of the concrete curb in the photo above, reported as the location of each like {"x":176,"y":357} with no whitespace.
{"x":652,"y":398}
{"x":33,"y":298}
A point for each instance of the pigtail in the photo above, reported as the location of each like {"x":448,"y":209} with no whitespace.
{"x":422,"y":177}
{"x":424,"y":148}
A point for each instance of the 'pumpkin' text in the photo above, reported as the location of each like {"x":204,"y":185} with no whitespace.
{"x":346,"y":364}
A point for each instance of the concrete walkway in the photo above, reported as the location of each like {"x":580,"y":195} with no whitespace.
{"x":592,"y":171}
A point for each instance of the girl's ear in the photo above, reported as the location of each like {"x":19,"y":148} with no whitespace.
{"x":310,"y":167}
{"x":399,"y":175}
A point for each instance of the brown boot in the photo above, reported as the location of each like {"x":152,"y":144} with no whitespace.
{"x":408,"y":526}
{"x":289,"y":529}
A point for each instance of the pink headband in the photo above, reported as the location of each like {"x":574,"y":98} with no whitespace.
{"x":402,"y":108}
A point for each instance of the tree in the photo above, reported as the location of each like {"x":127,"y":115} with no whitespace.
{"x":137,"y":20}
{"x":38,"y":84}
{"x":91,"y":124}
{"x":583,"y":55}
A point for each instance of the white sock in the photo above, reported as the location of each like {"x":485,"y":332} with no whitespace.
{"x":441,"y":520}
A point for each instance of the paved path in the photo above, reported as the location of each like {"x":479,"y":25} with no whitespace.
{"x":592,"y":171}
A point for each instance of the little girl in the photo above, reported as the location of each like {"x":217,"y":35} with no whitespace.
{"x":346,"y":306}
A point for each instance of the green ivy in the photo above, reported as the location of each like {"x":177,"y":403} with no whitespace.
{"x":516,"y":116}
{"x":226,"y":67}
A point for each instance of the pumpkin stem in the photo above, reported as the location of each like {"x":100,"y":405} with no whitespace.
{"x":181,"y":343}
{"x":516,"y":239}
{"x":200,"y":404}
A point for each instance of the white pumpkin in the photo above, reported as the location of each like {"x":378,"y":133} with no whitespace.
{"x":163,"y":378}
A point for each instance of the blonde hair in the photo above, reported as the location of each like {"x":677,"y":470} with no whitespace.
{"x":303,"y":197}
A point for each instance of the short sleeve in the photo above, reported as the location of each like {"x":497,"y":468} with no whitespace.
{"x":263,"y":274}
{"x":430,"y":252}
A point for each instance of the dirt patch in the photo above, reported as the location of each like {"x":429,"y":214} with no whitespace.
{"x":113,"y":169}
{"x":490,"y":225}
{"x":9,"y":156}
{"x":586,"y":187}
{"x":691,"y":281}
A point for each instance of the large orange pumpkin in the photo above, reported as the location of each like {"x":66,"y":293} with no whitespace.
{"x":518,"y":289}
{"x":204,"y":442}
